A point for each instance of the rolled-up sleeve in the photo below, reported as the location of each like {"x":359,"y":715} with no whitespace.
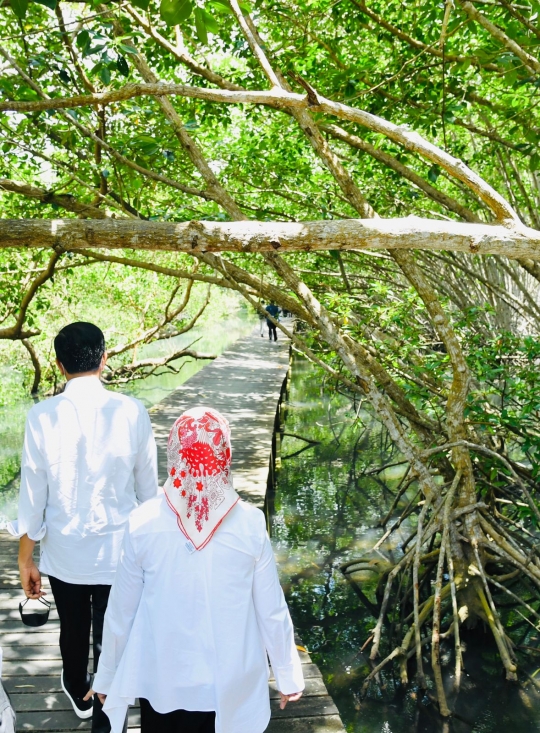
{"x":122,"y":607}
{"x":146,"y":477}
{"x":275,"y":623}
{"x":34,"y":486}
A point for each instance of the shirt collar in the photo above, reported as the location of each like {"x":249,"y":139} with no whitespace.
{"x":77,"y":385}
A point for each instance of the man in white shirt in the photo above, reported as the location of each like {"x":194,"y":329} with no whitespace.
{"x":89,"y":458}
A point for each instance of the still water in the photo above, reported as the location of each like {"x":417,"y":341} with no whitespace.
{"x":213,"y":338}
{"x":329,"y":497}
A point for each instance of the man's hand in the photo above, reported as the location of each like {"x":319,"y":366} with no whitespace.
{"x":91,"y":692}
{"x":284,"y":699}
{"x":30,"y":575}
{"x":31,"y":580}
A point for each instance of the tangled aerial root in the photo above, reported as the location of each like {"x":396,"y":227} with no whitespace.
{"x":454,"y":563}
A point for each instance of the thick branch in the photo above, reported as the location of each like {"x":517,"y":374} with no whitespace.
{"x":35,"y":363}
{"x":529,"y":61}
{"x":66,"y":201}
{"x":296,"y":103}
{"x":197,"y":237}
{"x":146,"y":367}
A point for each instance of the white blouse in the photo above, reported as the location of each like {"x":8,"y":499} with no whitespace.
{"x":89,"y":458}
{"x":190,"y":629}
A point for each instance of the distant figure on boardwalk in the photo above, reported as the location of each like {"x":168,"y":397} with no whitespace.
{"x":273,"y":310}
{"x":196,"y":602}
{"x":89,"y":457}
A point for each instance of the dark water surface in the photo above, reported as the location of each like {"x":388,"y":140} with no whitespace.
{"x":328,"y":500}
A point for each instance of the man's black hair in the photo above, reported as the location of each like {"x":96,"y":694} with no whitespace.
{"x":80,"y":347}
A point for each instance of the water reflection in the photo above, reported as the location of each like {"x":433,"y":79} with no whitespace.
{"x":329,"y":496}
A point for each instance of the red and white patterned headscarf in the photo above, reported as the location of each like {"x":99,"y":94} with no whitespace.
{"x":199,"y":486}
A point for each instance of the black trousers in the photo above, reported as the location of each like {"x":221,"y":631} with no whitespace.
{"x":81,"y":607}
{"x":272,"y":330}
{"x":179,"y":721}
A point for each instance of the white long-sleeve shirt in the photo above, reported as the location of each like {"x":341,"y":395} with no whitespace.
{"x":89,"y":458}
{"x":190,"y":629}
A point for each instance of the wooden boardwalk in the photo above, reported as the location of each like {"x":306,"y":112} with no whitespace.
{"x":245,"y":384}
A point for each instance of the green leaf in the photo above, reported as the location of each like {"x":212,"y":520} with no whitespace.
{"x":96,"y":69}
{"x":83,"y":40}
{"x":433,"y":173}
{"x":105,"y":75}
{"x":200,"y":26}
{"x":142,"y":4}
{"x":89,"y":50}
{"x":210,"y":22}
{"x":122,"y":66}
{"x":19,"y":7}
{"x":146,"y":144}
{"x":51,"y":4}
{"x":174,"y":12}
{"x":221,"y":6}
{"x":128,"y":49}
{"x":535,"y":162}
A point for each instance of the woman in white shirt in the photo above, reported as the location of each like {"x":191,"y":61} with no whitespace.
{"x":196,"y":604}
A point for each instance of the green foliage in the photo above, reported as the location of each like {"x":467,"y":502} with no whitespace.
{"x":19,"y":7}
{"x":174,"y":12}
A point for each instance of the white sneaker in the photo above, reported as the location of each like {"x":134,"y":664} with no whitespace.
{"x":82,"y":708}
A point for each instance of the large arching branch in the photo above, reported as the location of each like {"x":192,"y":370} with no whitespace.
{"x":258,"y":236}
{"x":296,"y":103}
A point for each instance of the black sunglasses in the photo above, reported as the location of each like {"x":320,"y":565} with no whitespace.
{"x":37,"y":617}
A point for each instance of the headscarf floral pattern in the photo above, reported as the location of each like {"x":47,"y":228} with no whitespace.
{"x":199,"y":487}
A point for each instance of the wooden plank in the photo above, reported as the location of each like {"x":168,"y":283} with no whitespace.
{"x":33,"y":686}
{"x":29,"y":699}
{"x":326,"y":724}
{"x":317,"y":724}
{"x":24,"y":652}
{"x":44,"y":676}
{"x":306,"y":707}
{"x":66,"y":720}
{"x":314,"y":686}
{"x":31,"y":667}
{"x":43,"y":666}
{"x":49,"y":635}
{"x":46,"y":702}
